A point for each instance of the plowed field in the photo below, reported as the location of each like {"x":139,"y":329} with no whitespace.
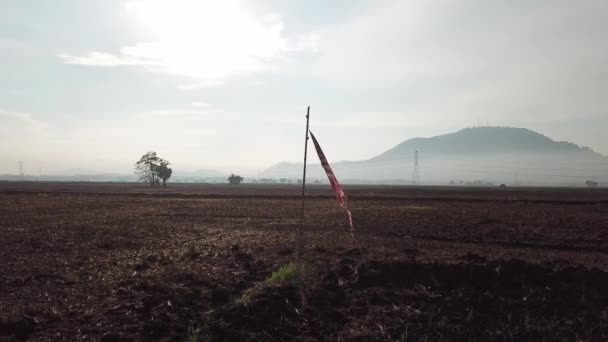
{"x":124,"y":263}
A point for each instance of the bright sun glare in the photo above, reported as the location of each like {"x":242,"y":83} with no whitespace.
{"x":206,"y":40}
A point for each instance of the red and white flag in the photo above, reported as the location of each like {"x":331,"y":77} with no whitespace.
{"x":336,"y":187}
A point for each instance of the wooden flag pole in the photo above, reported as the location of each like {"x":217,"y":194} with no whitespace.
{"x":300,"y":233}
{"x":300,"y":238}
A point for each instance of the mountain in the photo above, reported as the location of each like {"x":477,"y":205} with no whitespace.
{"x":488,"y":154}
{"x":482,"y":141}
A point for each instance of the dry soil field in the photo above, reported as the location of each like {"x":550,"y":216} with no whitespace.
{"x":91,"y":262}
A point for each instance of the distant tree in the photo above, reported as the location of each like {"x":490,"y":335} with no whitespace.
{"x":164,"y":171}
{"x":151,"y":169}
{"x":283,"y":180}
{"x":145,"y":168}
{"x":235,"y":179}
{"x":592,"y":184}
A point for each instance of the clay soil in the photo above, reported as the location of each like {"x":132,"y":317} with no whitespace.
{"x":126,"y":263}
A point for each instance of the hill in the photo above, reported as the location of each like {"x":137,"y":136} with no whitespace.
{"x":487,"y":154}
{"x":483,"y":141}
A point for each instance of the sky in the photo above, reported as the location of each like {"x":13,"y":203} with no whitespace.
{"x":224,"y":85}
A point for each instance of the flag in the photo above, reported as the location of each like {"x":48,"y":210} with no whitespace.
{"x":335,"y":186}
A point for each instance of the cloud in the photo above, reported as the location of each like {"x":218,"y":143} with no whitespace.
{"x":206,"y":41}
{"x":200,"y":111}
{"x":471,"y":59}
{"x":405,"y":41}
{"x":200,"y":104}
{"x":105,"y":60}
{"x":11,"y":120}
{"x":308,"y":42}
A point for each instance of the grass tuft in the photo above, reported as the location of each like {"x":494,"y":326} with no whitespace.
{"x":285,"y":274}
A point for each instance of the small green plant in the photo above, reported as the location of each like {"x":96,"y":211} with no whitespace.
{"x":285,"y":274}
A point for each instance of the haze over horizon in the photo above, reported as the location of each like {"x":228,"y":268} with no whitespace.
{"x":225,"y":85}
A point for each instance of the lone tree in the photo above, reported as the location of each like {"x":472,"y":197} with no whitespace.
{"x":592,"y":184}
{"x":151,"y":169}
{"x":235,"y":179}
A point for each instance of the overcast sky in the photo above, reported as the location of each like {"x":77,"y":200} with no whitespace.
{"x":224,"y":85}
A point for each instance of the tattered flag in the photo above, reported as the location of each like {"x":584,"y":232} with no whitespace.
{"x":335,"y":185}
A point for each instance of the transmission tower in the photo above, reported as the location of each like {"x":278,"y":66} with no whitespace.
{"x":416,"y":177}
{"x":21,"y":173}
